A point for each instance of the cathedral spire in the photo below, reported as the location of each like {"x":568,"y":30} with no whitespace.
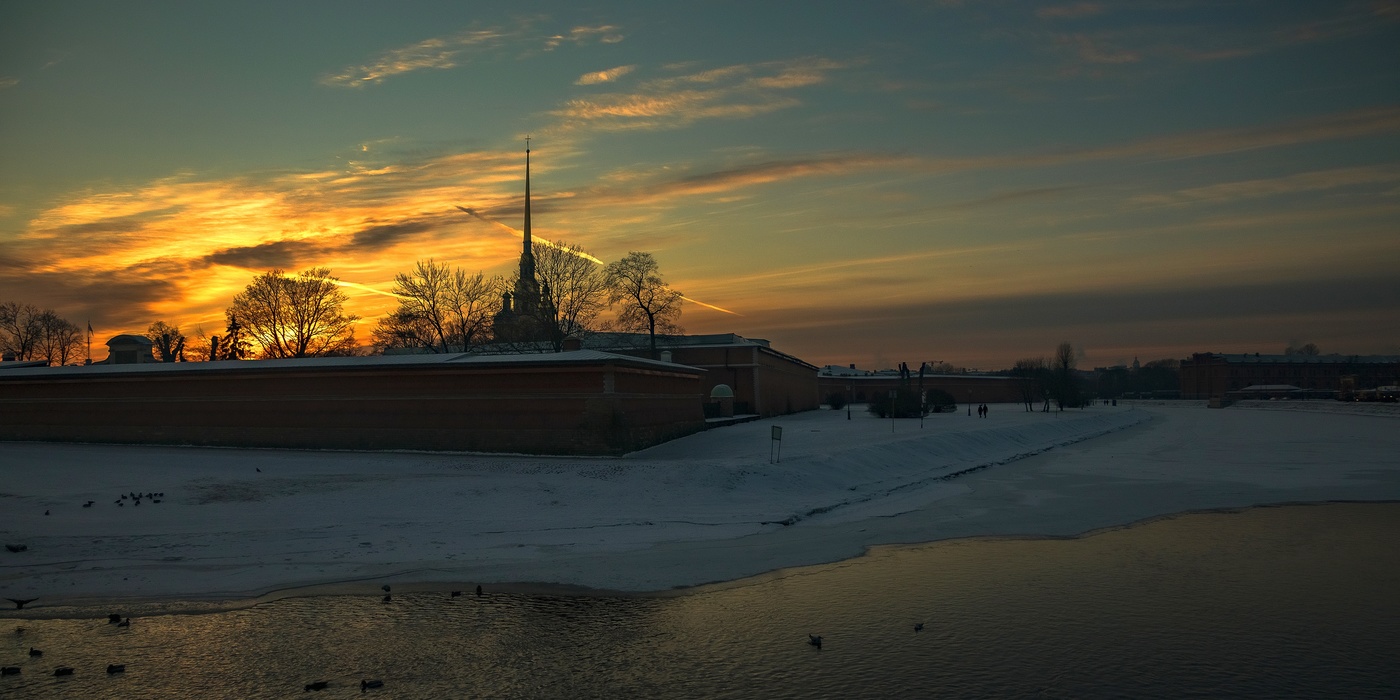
{"x":527,"y":195}
{"x":527,"y":288}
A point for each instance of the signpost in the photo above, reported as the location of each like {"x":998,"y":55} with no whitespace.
{"x":776,"y":442}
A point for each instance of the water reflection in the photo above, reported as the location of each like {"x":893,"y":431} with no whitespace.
{"x":1295,"y":601}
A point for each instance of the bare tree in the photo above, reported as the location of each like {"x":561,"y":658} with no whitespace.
{"x":1309,"y":349}
{"x":167,"y":341}
{"x":441,"y":308}
{"x":1030,"y":380}
{"x":1064,"y":386}
{"x":31,"y":334}
{"x":301,"y":316}
{"x":572,"y":291}
{"x":21,"y":329}
{"x":59,"y":340}
{"x":648,"y":304}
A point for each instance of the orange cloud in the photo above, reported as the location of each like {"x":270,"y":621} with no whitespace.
{"x":738,"y":91}
{"x":604,"y":76}
{"x":605,"y":33}
{"x":451,"y":51}
{"x":440,"y":53}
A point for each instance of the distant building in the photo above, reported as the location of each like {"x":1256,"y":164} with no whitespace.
{"x":762,"y":381}
{"x":1208,"y":375}
{"x":860,"y":386}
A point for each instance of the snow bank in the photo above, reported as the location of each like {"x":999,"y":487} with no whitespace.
{"x":708,"y":507}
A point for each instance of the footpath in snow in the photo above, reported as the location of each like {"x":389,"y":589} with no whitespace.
{"x":709,"y":507}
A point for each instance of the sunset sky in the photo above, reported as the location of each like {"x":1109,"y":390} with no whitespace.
{"x":859,"y":183}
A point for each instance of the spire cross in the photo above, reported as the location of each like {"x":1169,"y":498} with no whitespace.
{"x":527,"y":142}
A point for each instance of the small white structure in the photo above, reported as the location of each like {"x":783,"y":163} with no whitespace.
{"x":128,"y":349}
{"x":722,"y":395}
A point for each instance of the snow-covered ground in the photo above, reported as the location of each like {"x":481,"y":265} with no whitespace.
{"x":709,"y":507}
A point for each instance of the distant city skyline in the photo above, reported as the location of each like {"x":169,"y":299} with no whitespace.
{"x":970,"y":182}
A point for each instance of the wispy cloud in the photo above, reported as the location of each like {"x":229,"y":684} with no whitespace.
{"x":605,"y":33}
{"x":737,"y":91}
{"x":455,"y":49}
{"x":604,"y":76}
{"x":1197,"y":144}
{"x":8,"y":82}
{"x":1315,"y":181}
{"x":440,"y":53}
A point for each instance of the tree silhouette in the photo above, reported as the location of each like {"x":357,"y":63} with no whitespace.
{"x":31,"y":334}
{"x":648,"y":304}
{"x":441,"y":308}
{"x":167,"y":341}
{"x":20,"y":329}
{"x":301,"y":316}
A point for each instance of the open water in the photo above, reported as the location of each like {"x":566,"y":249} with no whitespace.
{"x":1292,"y":601}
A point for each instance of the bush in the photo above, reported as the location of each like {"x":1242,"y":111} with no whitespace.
{"x":905,"y":406}
{"x":939,"y":400}
{"x":836,"y":400}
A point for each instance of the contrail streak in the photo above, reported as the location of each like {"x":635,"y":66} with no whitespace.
{"x":710,"y":306}
{"x":367,"y":288}
{"x":547,"y":243}
{"x":581,"y":254}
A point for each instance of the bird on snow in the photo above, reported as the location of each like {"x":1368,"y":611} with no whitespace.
{"x":384,"y":588}
{"x":63,"y":671}
{"x":815,"y":640}
{"x":919,"y":627}
{"x":366,"y":685}
{"x":456,"y":593}
{"x":478,"y":591}
{"x":116,"y":668}
{"x":125,"y":623}
{"x":89,"y":504}
{"x":35,"y":652}
{"x":318,"y":685}
{"x":387,"y":597}
{"x":113,"y":618}
{"x":21,"y":602}
{"x":9,"y":671}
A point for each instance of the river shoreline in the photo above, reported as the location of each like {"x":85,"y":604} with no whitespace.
{"x":664,"y":522}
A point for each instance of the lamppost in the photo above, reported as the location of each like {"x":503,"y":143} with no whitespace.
{"x":969,"y":402}
{"x":849,"y":396}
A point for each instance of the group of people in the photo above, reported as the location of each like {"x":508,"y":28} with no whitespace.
{"x":982,"y":411}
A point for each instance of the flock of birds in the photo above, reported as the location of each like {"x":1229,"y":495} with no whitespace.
{"x":112,"y":619}
{"x":133,"y":496}
{"x":152,"y":496}
{"x":119,"y":621}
